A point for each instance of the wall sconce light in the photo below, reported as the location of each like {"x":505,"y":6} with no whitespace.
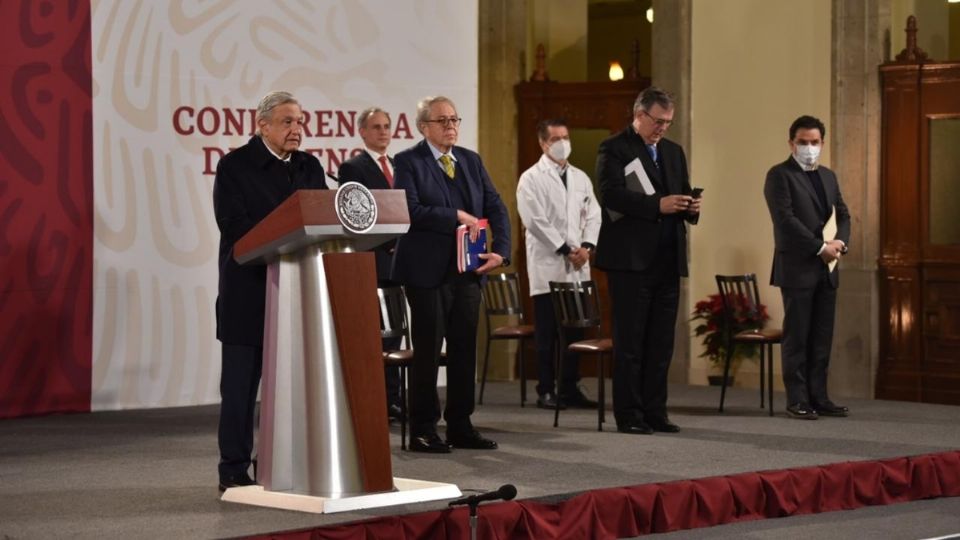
{"x":650,"y":14}
{"x":616,"y":72}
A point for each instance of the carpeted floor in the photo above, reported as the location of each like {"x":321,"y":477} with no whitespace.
{"x":935,"y":518}
{"x":152,"y":473}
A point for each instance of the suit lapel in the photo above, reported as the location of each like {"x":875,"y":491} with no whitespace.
{"x":829,"y":186}
{"x":653,"y":172}
{"x":800,"y":176}
{"x":374,"y":171}
{"x":435,"y":174}
{"x":473,"y":187}
{"x":670,"y":178}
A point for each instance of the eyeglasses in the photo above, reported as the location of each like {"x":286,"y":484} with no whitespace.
{"x":660,"y":122}
{"x":445,"y":122}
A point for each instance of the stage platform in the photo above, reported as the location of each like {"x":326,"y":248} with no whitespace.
{"x":152,"y":473}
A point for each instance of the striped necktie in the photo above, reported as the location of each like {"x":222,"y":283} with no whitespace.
{"x":447,"y":163}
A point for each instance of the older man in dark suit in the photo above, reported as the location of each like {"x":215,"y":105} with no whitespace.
{"x":251,"y":181}
{"x":446,"y":186}
{"x":804,"y":200}
{"x":374,"y":169}
{"x":646,"y":196}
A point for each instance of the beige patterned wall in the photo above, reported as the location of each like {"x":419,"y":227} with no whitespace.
{"x":748,"y":83}
{"x":166,"y":73}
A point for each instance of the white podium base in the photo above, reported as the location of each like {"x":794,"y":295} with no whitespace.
{"x":408,"y":491}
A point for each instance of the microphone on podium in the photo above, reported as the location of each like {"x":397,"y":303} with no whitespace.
{"x":333,"y":177}
{"x":506,"y":492}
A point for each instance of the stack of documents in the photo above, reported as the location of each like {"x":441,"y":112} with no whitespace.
{"x":468,"y":253}
{"x":830,"y":233}
{"x":636,"y":179}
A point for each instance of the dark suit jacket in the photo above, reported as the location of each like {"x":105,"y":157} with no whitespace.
{"x":423,"y":255}
{"x":250,"y":183}
{"x":362,"y":168}
{"x":798,"y":223}
{"x":630,"y":243}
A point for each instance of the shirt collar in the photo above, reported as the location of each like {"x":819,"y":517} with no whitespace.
{"x":814,"y":167}
{"x":375,"y":156}
{"x":561,"y":169}
{"x":437,"y":153}
{"x":267,"y":146}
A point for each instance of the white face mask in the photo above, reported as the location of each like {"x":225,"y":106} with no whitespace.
{"x":807,"y":154}
{"x":560,"y":150}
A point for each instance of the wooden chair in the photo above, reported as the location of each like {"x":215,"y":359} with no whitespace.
{"x":501,"y":297}
{"x":576,"y":305}
{"x":393,"y":324}
{"x":736,"y":291}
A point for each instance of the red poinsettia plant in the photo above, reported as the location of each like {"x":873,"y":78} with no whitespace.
{"x":712,"y":326}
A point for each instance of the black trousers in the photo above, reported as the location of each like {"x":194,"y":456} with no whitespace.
{"x":807,"y":338}
{"x":449,"y":311}
{"x":241,"y":367}
{"x":644,"y":319}
{"x":545,"y":333}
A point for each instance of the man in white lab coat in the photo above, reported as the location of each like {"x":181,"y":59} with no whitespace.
{"x":562,"y":220}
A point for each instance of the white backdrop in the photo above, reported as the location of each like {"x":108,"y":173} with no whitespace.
{"x":174,"y":86}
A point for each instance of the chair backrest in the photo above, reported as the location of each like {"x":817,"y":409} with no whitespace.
{"x":501,"y":295}
{"x":576,"y":304}
{"x":393,"y":313}
{"x":738,"y":294}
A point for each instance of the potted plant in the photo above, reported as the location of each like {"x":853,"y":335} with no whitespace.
{"x":712,"y":327}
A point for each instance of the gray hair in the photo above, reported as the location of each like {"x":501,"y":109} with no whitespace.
{"x":650,"y":97}
{"x":367,"y":113}
{"x":423,"y":108}
{"x":270,"y":102}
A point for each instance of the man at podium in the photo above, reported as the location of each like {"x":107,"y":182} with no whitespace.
{"x":446,"y":186}
{"x":250,"y":182}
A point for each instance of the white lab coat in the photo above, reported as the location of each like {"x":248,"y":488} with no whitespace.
{"x":554,"y":216}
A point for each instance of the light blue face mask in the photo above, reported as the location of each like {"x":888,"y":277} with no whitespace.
{"x":807,"y":154}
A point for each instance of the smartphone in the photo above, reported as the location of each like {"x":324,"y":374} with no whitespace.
{"x":697,"y":191}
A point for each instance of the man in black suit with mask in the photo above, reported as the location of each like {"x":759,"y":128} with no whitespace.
{"x":804,"y":199}
{"x":643,"y":248}
{"x":251,"y":182}
{"x":374,"y":169}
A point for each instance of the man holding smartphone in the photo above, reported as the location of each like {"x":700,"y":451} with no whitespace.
{"x":646,"y":198}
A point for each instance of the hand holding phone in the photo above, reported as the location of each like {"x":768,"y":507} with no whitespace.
{"x":697,"y":192}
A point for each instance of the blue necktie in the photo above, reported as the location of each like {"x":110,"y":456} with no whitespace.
{"x":652,"y":149}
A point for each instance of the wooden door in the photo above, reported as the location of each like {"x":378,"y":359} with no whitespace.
{"x":920,"y":233}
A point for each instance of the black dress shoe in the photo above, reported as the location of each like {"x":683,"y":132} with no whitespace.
{"x":471,"y":440}
{"x":636,"y":427}
{"x":801,"y":411}
{"x":235,"y":480}
{"x":829,"y":408}
{"x":394,"y":412}
{"x":662,"y":424}
{"x":549,"y":401}
{"x":430,"y":444}
{"x":577,"y":400}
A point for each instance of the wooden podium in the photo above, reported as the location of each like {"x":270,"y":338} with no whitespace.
{"x":323,"y":417}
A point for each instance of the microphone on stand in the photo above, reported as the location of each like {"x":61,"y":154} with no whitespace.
{"x":506,"y":492}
